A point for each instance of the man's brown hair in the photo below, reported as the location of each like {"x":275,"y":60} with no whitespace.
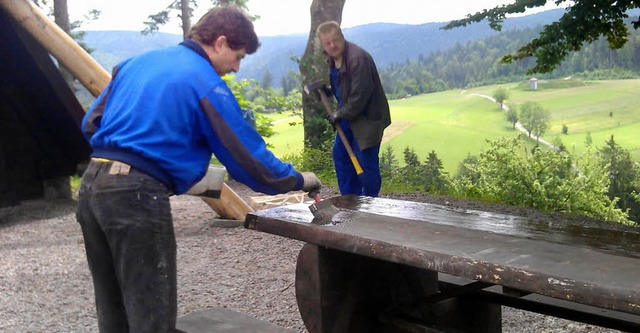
{"x":229,"y":21}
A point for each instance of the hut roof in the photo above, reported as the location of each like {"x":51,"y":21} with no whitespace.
{"x":40,"y":117}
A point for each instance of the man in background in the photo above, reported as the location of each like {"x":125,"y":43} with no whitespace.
{"x":362,"y":113}
{"x":153,"y":131}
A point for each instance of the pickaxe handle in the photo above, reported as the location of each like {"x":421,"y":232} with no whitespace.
{"x":345,"y":142}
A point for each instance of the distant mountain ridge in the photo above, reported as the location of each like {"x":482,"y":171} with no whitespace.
{"x":388,"y":43}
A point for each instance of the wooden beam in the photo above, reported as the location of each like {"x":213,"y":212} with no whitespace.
{"x":230,"y":205}
{"x":59,"y":44}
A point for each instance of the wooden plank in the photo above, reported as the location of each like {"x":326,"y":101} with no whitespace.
{"x":270,"y":201}
{"x":230,"y":205}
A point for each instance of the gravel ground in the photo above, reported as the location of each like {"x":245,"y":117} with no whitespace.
{"x":45,"y":285}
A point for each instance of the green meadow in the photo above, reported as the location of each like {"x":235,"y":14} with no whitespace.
{"x":456,"y":123}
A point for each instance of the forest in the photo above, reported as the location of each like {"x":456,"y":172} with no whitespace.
{"x":477,"y":64}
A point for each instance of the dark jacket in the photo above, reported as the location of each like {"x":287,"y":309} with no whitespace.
{"x":365,"y":104}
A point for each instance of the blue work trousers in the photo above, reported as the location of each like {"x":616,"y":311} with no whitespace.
{"x":369,"y":182}
{"x":131,"y":249}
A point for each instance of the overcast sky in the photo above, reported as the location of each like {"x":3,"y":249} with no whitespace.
{"x":280,"y":17}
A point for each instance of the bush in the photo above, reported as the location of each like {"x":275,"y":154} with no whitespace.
{"x":318,"y":161}
{"x":543,"y":179}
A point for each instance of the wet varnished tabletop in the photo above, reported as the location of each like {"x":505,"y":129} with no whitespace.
{"x":593,"y":264}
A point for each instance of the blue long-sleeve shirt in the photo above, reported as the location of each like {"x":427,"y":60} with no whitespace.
{"x":166,"y":111}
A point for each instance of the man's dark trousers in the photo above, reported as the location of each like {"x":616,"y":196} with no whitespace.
{"x":131,"y":249}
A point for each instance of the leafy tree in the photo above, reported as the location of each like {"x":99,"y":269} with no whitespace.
{"x":558,"y":144}
{"x":534,"y":118}
{"x":584,"y":22}
{"x":466,"y":166}
{"x":239,"y":89}
{"x":501,"y":94}
{"x":512,"y":115}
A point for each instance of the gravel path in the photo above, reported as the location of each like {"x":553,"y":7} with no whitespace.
{"x":45,"y":285}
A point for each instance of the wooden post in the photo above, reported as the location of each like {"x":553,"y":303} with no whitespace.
{"x":95,"y":78}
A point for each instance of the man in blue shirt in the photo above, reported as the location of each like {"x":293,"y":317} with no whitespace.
{"x":153,"y":131}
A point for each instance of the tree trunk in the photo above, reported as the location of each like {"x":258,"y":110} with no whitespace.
{"x":313,"y":67}
{"x":185,"y":16}
{"x":61,"y":18}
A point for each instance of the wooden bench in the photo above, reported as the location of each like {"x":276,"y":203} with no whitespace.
{"x":383,"y":264}
{"x":221,"y":320}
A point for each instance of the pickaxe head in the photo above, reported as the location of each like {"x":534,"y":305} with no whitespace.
{"x":314,"y":86}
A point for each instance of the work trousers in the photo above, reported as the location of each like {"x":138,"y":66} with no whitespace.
{"x":369,"y":182}
{"x":131,"y":249}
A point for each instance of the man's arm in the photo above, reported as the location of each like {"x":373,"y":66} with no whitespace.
{"x":361,"y":88}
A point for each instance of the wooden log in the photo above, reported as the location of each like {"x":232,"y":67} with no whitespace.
{"x":95,"y":78}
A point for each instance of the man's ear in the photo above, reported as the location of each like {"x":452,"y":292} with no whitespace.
{"x":219,"y":43}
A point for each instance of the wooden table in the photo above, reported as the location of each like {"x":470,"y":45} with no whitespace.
{"x":380,"y":264}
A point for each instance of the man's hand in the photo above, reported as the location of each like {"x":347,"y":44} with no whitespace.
{"x":311,"y":184}
{"x":332,"y":118}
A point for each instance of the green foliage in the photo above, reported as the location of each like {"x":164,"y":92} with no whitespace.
{"x":512,"y":115}
{"x":290,"y":82}
{"x":388,"y":163}
{"x":565,"y":129}
{"x":267,"y":80}
{"x":435,"y":179}
{"x":588,"y":141}
{"x":534,"y":118}
{"x":414,"y":176}
{"x":466,"y":167}
{"x":411,"y":158}
{"x":624,"y":176}
{"x":558,"y":144}
{"x":239,"y":89}
{"x":319,"y":161}
{"x":501,"y":94}
{"x":543,"y":179}
{"x":585,"y":22}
